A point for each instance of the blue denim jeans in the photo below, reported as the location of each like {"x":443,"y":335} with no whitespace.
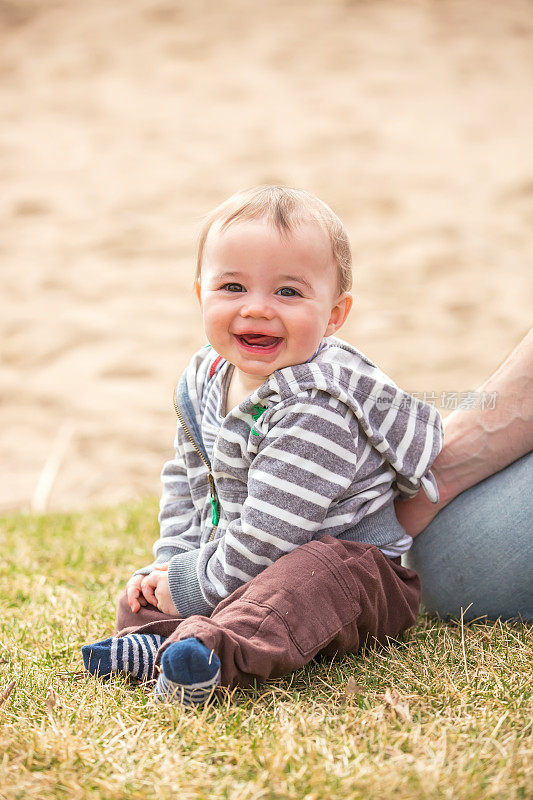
{"x":478,"y":551}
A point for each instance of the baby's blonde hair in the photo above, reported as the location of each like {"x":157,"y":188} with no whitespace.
{"x":285,"y":209}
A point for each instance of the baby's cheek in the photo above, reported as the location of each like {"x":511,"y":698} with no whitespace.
{"x":308,"y":335}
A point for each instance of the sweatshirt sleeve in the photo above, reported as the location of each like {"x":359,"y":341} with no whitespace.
{"x":304,"y":463}
{"x":179,"y":520}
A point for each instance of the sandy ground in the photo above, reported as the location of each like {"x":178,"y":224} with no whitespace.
{"x":123,"y":123}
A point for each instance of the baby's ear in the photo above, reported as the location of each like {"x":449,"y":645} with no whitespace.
{"x":339,"y":312}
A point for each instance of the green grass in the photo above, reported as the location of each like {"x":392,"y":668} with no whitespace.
{"x":463,"y":728}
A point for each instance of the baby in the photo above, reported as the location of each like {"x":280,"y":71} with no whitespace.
{"x":278,"y":538}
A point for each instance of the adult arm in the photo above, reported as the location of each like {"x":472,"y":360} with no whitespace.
{"x":480,"y":441}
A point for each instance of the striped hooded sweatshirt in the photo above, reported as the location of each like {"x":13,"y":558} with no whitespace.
{"x":319,"y":448}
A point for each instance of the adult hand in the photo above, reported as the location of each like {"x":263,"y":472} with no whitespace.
{"x":415,"y":514}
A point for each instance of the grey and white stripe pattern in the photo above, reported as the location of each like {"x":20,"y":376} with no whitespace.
{"x":337,"y":442}
{"x":194,"y":694}
{"x":135,"y":654}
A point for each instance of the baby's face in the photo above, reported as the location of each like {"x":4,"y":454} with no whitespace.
{"x":267,"y":299}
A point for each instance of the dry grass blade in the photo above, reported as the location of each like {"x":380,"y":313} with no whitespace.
{"x":463,"y":641}
{"x":76,"y":675}
{"x":7,"y":691}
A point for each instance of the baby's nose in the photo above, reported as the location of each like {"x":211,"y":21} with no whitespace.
{"x":256,"y":306}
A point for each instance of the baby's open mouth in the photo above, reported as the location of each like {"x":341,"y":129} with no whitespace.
{"x":259,"y":340}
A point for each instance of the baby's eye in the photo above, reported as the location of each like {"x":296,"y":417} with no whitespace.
{"x":288,"y":291}
{"x":233,"y":287}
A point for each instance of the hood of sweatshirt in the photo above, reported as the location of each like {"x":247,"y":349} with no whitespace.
{"x":406,"y":431}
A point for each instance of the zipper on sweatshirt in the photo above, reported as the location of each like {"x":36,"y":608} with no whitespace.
{"x":215,"y":506}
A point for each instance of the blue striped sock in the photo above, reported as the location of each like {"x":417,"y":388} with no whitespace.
{"x":133,"y":654}
{"x":190,"y":673}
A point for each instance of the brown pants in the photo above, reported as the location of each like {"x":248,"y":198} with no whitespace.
{"x":328,"y":596}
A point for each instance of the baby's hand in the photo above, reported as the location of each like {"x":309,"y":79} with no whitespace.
{"x":134,"y":593}
{"x":156,"y":590}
